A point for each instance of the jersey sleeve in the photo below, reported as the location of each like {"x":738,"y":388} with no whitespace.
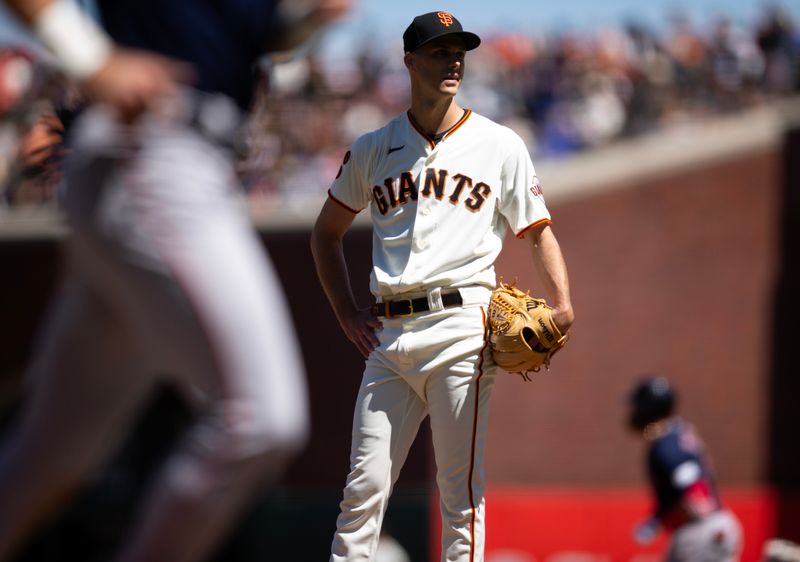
{"x":682,"y":484}
{"x":522,"y":201}
{"x":351,"y":187}
{"x":686,"y":474}
{"x":667,"y":455}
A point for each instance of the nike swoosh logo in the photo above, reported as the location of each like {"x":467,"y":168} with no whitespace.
{"x":395,"y":149}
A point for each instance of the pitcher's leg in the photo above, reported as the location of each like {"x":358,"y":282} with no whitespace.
{"x":386,"y":421}
{"x":458,"y":403}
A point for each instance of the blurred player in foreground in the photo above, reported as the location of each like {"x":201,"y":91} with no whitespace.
{"x":444,"y":185}
{"x":166,"y":280}
{"x":687,"y":501}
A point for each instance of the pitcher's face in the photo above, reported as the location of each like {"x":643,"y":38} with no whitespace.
{"x":438,"y":65}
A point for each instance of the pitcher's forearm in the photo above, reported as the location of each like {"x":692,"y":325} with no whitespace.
{"x":552,"y":271}
{"x":333,"y":274}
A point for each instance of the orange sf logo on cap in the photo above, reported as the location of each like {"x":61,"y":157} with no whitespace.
{"x":445,"y":18}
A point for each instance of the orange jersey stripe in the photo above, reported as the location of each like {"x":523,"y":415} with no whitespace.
{"x":419,"y":129}
{"x":450,"y":131}
{"x":475,"y":437}
{"x":522,"y":232}
{"x":461,"y":121}
{"x":335,"y":200}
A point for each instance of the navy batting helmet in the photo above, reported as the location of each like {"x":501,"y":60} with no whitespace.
{"x":652,"y":399}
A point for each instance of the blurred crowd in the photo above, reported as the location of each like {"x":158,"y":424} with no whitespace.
{"x":563,"y":93}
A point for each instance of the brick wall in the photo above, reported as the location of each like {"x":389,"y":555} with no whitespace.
{"x":675,"y":276}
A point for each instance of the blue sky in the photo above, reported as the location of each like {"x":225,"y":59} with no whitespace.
{"x":526,"y":14}
{"x":384,"y":21}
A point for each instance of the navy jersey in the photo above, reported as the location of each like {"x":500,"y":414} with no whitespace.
{"x":221,"y":39}
{"x":681,"y":475}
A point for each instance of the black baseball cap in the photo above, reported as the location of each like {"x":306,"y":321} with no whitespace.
{"x":428,"y":27}
{"x":652,"y":399}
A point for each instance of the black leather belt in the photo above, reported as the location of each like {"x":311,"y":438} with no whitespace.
{"x":406,"y":307}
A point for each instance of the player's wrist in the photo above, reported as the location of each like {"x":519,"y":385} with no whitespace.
{"x":564,"y":316}
{"x":79,"y":44}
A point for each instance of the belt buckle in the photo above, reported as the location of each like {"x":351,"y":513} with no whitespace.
{"x":410,"y":308}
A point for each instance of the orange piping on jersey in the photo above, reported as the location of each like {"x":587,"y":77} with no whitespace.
{"x":521,"y":233}
{"x":335,"y":200}
{"x":475,"y":438}
{"x":419,"y":129}
{"x":451,"y":130}
{"x":460,"y":122}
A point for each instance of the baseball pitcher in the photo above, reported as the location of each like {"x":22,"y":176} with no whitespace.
{"x":443,"y":185}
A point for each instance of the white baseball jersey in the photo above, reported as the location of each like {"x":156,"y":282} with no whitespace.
{"x":440,"y":210}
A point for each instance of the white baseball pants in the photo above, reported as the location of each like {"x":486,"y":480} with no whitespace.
{"x":433,"y":364}
{"x":714,"y":538}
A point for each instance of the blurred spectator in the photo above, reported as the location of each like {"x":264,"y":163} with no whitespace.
{"x":31,"y":130}
{"x":37,"y":169}
{"x":16,"y":77}
{"x":736,"y":64}
{"x":780,"y":44}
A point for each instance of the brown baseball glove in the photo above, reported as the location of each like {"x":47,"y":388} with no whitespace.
{"x":523,"y":334}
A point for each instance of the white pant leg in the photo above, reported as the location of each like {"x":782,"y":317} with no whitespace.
{"x":387,"y":417}
{"x":434,"y":364}
{"x":458,"y":403}
{"x":714,"y":538}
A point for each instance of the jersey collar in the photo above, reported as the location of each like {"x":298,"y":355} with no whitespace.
{"x":450,"y":131}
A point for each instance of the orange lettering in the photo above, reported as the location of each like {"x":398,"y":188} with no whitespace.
{"x":445,"y":18}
